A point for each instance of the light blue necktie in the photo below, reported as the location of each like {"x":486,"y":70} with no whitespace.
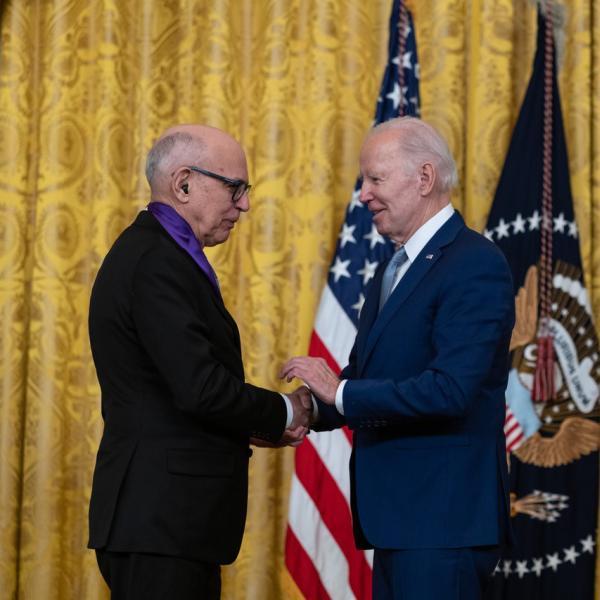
{"x":389,"y":275}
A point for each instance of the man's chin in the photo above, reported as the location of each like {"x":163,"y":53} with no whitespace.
{"x":218,"y":238}
{"x":379,"y":222}
{"x":381,"y":228}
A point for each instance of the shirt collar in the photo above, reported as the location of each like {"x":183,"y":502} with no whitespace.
{"x":183,"y":235}
{"x":419,"y":239}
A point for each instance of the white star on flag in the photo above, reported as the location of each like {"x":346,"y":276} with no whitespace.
{"x":570,"y":554}
{"x":374,"y":236}
{"x":368,"y":271}
{"x":397,"y":94}
{"x":355,"y":201}
{"x":538,"y":566}
{"x":347,"y":234}
{"x":573,"y":229}
{"x":340,"y":268}
{"x":489,"y":235}
{"x":534,"y":220}
{"x":358,"y":306}
{"x":519,"y":224}
{"x":503,"y":229}
{"x":560,"y":222}
{"x":406,"y":64}
{"x":588,"y":544}
{"x":506,"y":568}
{"x":394,"y":95}
{"x":553,"y":561}
{"x":521,"y":568}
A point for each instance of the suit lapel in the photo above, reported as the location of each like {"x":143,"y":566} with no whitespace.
{"x":369,"y":311}
{"x":409,"y":282}
{"x":145,"y":219}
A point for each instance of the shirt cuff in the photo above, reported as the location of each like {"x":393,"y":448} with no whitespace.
{"x":290,"y":410}
{"x":339,"y":397}
{"x":315,"y":411}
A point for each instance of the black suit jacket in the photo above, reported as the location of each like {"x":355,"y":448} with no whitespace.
{"x":172,"y":468}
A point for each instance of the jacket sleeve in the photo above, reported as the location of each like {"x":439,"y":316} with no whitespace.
{"x":177,"y":337}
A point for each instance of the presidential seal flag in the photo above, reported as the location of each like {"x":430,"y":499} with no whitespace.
{"x":320,"y":554}
{"x":552,"y":425}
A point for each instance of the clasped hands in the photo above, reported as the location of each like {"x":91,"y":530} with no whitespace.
{"x":318,"y":379}
{"x":302,"y":407}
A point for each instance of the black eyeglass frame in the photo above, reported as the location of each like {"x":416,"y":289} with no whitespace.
{"x":240,"y":187}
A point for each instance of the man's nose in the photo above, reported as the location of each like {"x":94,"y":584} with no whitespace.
{"x":365,"y":193}
{"x":244,"y":202}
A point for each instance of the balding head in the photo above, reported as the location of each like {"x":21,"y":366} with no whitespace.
{"x":419,"y":142}
{"x":184,"y":144}
{"x":408,"y":173}
{"x":165,"y":151}
{"x":196,"y":169}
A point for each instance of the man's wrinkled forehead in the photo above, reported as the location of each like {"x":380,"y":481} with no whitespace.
{"x":381,"y":146}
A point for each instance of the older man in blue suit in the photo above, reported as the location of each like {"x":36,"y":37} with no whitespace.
{"x":424,"y":387}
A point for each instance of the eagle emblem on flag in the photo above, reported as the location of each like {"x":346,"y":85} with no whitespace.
{"x":561,"y":429}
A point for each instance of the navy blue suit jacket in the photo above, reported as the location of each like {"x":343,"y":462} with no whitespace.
{"x":425,"y":398}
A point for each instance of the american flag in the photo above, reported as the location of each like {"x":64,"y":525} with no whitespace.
{"x":320,"y":553}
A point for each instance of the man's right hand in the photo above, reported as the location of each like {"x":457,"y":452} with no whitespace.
{"x":302,"y":406}
{"x":301,"y":400}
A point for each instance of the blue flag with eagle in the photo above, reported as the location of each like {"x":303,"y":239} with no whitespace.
{"x":552,"y":427}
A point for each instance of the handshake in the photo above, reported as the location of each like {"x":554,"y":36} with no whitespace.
{"x":302,"y":415}
{"x":323,"y":382}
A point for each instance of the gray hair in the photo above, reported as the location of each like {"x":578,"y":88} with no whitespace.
{"x":163,"y":149}
{"x":423,"y":143}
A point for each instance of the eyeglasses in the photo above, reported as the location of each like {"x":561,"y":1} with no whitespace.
{"x":239,"y":186}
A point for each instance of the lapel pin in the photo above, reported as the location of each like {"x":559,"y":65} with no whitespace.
{"x":429,"y":256}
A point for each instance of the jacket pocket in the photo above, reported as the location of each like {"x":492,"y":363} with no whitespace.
{"x":198,"y":463}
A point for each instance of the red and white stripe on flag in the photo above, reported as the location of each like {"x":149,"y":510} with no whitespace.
{"x":513,"y":432}
{"x":320,"y":553}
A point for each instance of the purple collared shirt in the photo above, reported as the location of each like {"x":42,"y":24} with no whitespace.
{"x":178,"y":228}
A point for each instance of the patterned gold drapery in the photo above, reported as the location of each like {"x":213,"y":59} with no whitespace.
{"x":86,"y":85}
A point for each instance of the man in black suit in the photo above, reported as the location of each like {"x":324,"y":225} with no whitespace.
{"x":169,"y":493}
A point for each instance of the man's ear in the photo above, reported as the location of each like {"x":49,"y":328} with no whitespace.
{"x":427,"y":177}
{"x":180,"y":184}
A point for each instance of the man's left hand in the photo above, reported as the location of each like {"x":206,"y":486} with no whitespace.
{"x":291,"y":437}
{"x":315,"y":373}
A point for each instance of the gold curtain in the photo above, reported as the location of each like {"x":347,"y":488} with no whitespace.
{"x":85,"y":87}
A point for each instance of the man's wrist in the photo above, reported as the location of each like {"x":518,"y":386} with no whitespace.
{"x":290,"y":410}
{"x":314,"y":415}
{"x":339,"y":396}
